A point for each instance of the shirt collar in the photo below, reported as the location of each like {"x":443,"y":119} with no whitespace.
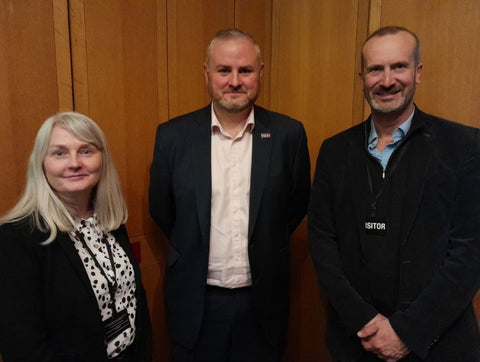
{"x":91,"y":221}
{"x":397,"y":135}
{"x":217,"y":126}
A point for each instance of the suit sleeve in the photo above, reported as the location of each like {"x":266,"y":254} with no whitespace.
{"x":354,"y":311}
{"x":301,"y":182}
{"x":457,"y":279}
{"x":23,"y":336}
{"x":161,"y":203}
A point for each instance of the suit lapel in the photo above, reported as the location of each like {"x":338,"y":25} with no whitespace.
{"x":67,"y":245}
{"x":68,"y":248}
{"x":357,"y":165}
{"x":202,"y":170}
{"x":261,"y":149}
{"x":201,"y":156}
{"x":420,"y":152}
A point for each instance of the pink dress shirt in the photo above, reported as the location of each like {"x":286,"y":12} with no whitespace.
{"x":228,"y":264}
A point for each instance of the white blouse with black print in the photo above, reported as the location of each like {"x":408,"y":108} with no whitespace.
{"x":125,"y":293}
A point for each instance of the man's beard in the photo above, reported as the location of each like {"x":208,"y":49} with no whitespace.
{"x":396,"y":106}
{"x":233,"y":107}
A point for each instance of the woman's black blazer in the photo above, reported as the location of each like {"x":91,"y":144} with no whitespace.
{"x":48,"y":310}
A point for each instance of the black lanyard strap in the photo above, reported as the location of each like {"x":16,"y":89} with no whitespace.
{"x":391,"y":169}
{"x":112,"y":285}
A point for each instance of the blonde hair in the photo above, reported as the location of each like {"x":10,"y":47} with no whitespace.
{"x":41,"y":203}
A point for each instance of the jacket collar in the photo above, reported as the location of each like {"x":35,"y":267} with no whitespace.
{"x":261,"y":152}
{"x":418,"y":140}
{"x":201,"y":155}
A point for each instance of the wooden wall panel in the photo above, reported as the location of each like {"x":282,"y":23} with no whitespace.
{"x":191,"y":25}
{"x":119,"y":52}
{"x":35,"y":83}
{"x":153,"y":261}
{"x":313,"y":79}
{"x":313,"y":64}
{"x":63,"y":55}
{"x":29,"y":90}
{"x":255,"y":17}
{"x":122,"y":87}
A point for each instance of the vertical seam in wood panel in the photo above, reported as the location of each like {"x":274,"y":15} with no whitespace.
{"x":167,"y":63}
{"x":273,"y":52}
{"x":374,"y":15}
{"x":234,"y":13}
{"x":267,"y":97}
{"x":374,"y":22}
{"x":358,"y":102}
{"x":169,"y":44}
{"x":63,"y":54}
{"x":79,"y":55}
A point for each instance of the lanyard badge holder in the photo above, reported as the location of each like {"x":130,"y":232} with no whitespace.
{"x":375,"y":225}
{"x":119,"y":321}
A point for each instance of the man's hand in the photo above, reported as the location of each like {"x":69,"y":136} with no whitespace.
{"x":378,"y":337}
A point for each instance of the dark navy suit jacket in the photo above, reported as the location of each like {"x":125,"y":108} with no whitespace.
{"x":180,"y":202}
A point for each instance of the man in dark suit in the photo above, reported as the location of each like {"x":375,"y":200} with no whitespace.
{"x":394,"y":221}
{"x":229,"y":184}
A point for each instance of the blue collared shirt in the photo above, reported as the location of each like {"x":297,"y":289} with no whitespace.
{"x":397,"y":136}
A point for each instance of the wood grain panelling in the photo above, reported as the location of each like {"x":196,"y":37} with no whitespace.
{"x":191,"y":25}
{"x":255,"y":17}
{"x":63,"y":54}
{"x":313,"y":64}
{"x":120,"y":80}
{"x":120,"y":73}
{"x":35,"y":82}
{"x":313,"y":79}
{"x":79,"y":55}
{"x":29,"y":89}
{"x":153,"y":261}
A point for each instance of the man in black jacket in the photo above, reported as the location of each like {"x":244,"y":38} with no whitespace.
{"x":229,"y":184}
{"x":394,"y":221}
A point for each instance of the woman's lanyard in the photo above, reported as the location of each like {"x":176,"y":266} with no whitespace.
{"x":112,"y":286}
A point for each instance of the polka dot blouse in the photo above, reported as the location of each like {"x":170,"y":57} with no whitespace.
{"x":125,"y":293}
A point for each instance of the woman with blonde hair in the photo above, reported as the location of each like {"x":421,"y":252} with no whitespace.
{"x":71,"y":287}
